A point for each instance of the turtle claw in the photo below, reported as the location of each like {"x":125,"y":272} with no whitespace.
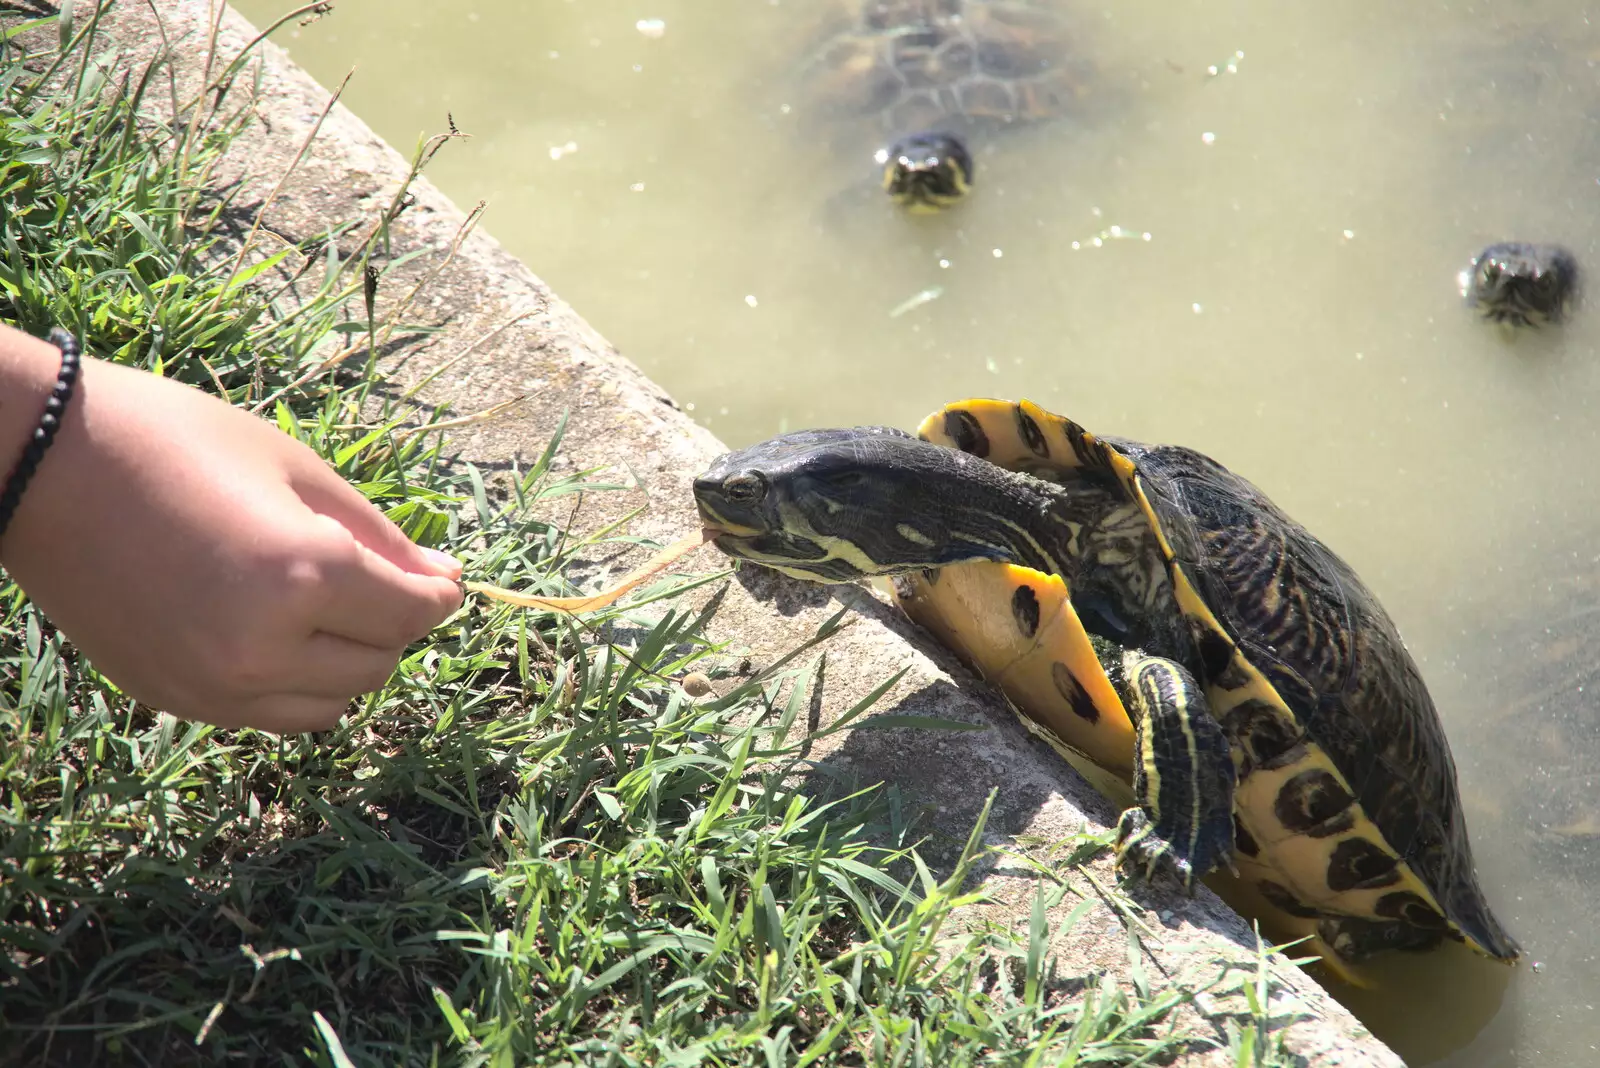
{"x":1142,"y":852}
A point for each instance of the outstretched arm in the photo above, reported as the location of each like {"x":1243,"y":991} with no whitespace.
{"x":207,"y":563}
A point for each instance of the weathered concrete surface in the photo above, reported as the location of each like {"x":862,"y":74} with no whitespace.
{"x":622,"y":421}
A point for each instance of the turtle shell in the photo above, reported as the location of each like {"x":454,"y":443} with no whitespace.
{"x":911,"y":65}
{"x":1346,"y":804}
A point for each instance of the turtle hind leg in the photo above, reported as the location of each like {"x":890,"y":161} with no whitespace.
{"x":1183,"y":777}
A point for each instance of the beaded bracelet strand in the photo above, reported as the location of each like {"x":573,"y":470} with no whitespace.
{"x":49,"y":423}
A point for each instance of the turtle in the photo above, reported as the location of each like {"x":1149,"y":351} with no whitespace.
{"x":1158,"y":619}
{"x":922,"y":75}
{"x":1522,"y":284}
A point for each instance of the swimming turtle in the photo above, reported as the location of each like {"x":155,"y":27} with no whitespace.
{"x":1522,"y":284}
{"x":1156,"y":616}
{"x":922,"y":74}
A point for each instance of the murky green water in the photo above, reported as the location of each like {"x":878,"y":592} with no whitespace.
{"x":1293,"y":313}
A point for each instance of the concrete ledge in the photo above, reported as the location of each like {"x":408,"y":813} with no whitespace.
{"x":622,"y":421}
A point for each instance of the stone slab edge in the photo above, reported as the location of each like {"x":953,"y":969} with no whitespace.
{"x":621,"y":421}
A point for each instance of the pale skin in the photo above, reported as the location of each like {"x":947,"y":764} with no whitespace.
{"x":204,"y":561}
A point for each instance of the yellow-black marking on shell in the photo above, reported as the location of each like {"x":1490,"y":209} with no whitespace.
{"x":1407,"y":906}
{"x":1068,"y":687}
{"x":1320,"y":805}
{"x":967,"y":433}
{"x":983,"y":612}
{"x":1327,"y":857}
{"x":1310,"y":801}
{"x":1025,"y":610}
{"x":997,"y":428}
{"x":1261,"y":737}
{"x":1359,"y":864}
{"x":1032,"y":436}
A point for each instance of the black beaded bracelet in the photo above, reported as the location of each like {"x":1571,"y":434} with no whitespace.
{"x":49,"y":423}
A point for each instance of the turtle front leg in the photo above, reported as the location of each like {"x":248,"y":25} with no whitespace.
{"x":1183,"y":777}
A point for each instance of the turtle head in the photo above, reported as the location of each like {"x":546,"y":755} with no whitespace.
{"x":1522,"y":284}
{"x":838,"y":505}
{"x":926,"y":171}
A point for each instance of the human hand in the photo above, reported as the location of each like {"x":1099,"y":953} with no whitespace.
{"x":206,"y":562}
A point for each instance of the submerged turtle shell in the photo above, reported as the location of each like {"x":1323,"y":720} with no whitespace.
{"x":912,"y":65}
{"x":1346,"y":803}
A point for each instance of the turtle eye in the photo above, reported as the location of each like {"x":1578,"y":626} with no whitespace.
{"x":745,"y":488}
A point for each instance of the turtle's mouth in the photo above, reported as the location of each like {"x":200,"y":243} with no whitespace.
{"x":719,"y":527}
{"x":814,"y":559}
{"x":760,"y":546}
{"x":735,"y":539}
{"x":741,"y":545}
{"x":924,"y":185}
{"x":795,"y":556}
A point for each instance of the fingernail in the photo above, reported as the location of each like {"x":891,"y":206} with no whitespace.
{"x":441,"y":560}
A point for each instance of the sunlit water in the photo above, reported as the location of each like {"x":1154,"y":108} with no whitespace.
{"x":1293,"y":312}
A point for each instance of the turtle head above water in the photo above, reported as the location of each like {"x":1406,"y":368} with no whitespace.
{"x":1522,"y":284}
{"x":927,"y":172}
{"x":838,"y":505}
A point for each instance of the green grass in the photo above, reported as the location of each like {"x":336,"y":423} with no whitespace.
{"x":532,"y":847}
